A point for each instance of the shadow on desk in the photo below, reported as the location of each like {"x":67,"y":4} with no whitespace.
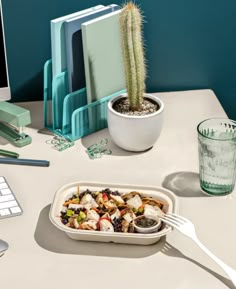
{"x":36,"y":113}
{"x":171,"y":251}
{"x":184,"y":184}
{"x":98,"y":136}
{"x":52,"y":239}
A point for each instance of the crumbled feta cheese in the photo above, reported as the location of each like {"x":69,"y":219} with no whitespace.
{"x":106,"y":226}
{"x":129,"y":217}
{"x":152,"y":211}
{"x":93,"y":215}
{"x":76,"y":224}
{"x":75,"y":206}
{"x":92,"y":224}
{"x":115,"y":215}
{"x":135,"y":202}
{"x":118,"y":199}
{"x":88,"y":201}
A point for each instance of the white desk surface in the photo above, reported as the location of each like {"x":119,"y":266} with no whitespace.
{"x":41,"y":256}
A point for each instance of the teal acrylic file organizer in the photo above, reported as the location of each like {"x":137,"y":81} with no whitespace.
{"x":68,"y":113}
{"x":47,"y":94}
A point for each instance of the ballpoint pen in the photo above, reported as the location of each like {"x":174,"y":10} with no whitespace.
{"x":9,"y":154}
{"x":25,"y":162}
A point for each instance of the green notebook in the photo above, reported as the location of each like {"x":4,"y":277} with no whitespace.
{"x":103,"y":63}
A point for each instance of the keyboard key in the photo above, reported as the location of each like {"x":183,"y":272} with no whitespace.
{"x":15,"y":210}
{"x":8,"y":204}
{"x":3,"y":186}
{"x":4,"y":212}
{"x":6,"y":198}
{"x":5,"y":191}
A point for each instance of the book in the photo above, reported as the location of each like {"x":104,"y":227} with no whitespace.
{"x":74,"y":47}
{"x":58,"y":41}
{"x":103,"y":62}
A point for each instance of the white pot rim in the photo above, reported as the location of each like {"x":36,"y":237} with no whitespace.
{"x":153,"y":97}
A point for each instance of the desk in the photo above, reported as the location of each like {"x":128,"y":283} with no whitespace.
{"x":42,"y":257}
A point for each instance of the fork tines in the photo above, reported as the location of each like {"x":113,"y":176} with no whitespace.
{"x":173,"y":219}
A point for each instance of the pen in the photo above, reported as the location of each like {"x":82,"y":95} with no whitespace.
{"x":9,"y":154}
{"x":25,"y":162}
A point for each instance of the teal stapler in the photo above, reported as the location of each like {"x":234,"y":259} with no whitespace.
{"x":12,"y":121}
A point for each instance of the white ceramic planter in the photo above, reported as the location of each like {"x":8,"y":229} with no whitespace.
{"x":135,"y":133}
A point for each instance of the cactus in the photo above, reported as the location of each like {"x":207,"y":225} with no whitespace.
{"x":133,"y":54}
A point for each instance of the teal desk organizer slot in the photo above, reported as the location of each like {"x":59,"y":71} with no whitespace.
{"x":59,"y":91}
{"x":72,"y":101}
{"x":91,"y":117}
{"x":55,"y":90}
{"x":47,"y":94}
{"x":68,"y":113}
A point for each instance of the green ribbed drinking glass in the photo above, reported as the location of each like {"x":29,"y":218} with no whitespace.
{"x":217,"y":155}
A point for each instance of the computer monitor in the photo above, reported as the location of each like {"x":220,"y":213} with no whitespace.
{"x":5,"y":93}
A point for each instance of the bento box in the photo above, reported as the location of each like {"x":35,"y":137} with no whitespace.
{"x":67,"y":192}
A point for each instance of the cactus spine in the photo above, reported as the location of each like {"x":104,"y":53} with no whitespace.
{"x":133,"y":53}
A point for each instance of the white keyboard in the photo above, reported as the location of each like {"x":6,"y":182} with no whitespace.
{"x":9,"y":205}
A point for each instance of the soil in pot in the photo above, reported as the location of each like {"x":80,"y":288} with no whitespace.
{"x":147,"y":107}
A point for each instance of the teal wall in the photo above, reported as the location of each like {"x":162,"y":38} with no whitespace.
{"x":189,"y":44}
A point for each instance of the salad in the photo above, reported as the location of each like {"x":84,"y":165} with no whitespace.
{"x":108,"y":210}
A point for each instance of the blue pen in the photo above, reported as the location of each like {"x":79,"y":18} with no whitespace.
{"x":25,"y":162}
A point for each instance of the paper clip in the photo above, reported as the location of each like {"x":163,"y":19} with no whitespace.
{"x":60,"y":142}
{"x":97,"y":150}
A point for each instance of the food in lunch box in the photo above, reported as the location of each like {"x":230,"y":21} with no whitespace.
{"x":108,"y":210}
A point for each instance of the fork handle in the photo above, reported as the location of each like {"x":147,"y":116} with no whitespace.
{"x":228,"y":270}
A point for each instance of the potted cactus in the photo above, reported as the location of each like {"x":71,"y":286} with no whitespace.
{"x":135,"y":118}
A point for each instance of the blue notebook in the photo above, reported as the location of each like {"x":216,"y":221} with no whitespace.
{"x":74,"y":47}
{"x":58,"y":41}
{"x":103,"y":62}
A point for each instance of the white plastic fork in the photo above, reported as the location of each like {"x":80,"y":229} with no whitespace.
{"x":187,"y":228}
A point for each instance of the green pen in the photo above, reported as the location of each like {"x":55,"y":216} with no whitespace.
{"x":8,"y":154}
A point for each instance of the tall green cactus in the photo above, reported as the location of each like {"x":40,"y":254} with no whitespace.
{"x":133,"y":53}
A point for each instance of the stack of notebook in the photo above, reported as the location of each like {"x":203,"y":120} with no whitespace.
{"x":86,"y":44}
{"x":85,"y":71}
